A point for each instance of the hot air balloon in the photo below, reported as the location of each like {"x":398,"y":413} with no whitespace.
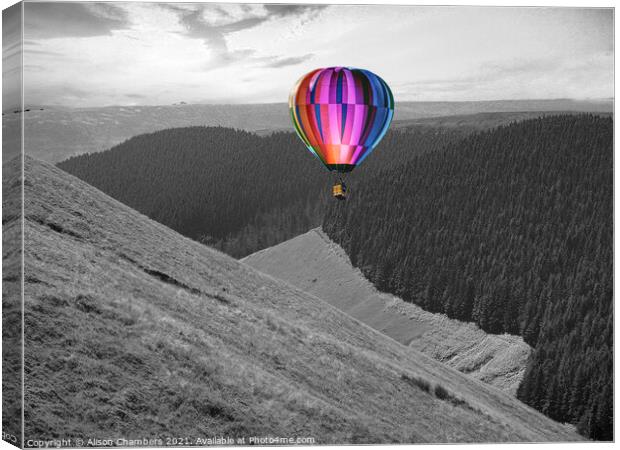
{"x":341,"y":114}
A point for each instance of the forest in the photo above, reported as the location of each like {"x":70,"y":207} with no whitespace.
{"x":511,"y":229}
{"x":231,"y":189}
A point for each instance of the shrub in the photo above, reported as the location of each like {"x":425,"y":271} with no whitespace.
{"x":441,"y":393}
{"x":418,"y":382}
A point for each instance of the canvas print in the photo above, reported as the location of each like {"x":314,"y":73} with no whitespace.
{"x":298,"y":224}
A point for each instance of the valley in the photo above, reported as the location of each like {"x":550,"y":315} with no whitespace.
{"x":315,"y":264}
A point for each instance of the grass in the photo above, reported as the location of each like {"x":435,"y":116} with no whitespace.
{"x":11,"y":303}
{"x":497,"y":360}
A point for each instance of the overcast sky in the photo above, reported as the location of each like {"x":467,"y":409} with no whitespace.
{"x":95,"y":54}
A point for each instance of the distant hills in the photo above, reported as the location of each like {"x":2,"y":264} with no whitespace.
{"x":56,"y":133}
{"x":469,"y":123}
{"x":130,"y":326}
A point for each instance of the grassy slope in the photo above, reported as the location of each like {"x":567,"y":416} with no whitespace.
{"x":133,"y":330}
{"x":313,"y":263}
{"x":11,"y":301}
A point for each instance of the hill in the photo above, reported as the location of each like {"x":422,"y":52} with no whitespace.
{"x":12,"y":367}
{"x":316,"y":265}
{"x":55,"y":133}
{"x":417,"y":110}
{"x":230,"y":188}
{"x":510,"y":228}
{"x":469,"y":123}
{"x":133,"y":330}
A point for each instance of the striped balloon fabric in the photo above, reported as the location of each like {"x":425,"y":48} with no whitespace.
{"x":341,"y":114}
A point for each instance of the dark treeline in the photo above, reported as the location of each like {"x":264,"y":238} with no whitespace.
{"x":231,"y":189}
{"x":208,"y":183}
{"x":511,"y":229}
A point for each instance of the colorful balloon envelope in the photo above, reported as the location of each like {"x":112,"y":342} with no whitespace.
{"x":341,"y":114}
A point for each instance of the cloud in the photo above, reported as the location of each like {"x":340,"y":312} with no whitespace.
{"x":11,"y":56}
{"x":57,"y":93}
{"x":518,"y":78}
{"x":487,"y":71}
{"x":11,"y":23}
{"x":201,"y":52}
{"x":292,"y":10}
{"x":274,"y":62}
{"x":55,"y":20}
{"x":30,"y":51}
{"x":303,"y":12}
{"x":224,"y":20}
{"x":34,"y":68}
{"x":11,"y":48}
{"x":213,"y":34}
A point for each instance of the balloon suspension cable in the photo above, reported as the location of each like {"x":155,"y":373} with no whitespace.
{"x":340,"y":178}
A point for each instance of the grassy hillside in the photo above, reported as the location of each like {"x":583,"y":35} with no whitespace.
{"x":11,"y":301}
{"x":315,"y":264}
{"x":133,"y":330}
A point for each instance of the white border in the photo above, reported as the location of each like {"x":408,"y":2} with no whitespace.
{"x":490,"y":3}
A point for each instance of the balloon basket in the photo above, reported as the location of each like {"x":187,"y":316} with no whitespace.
{"x":339,"y":191}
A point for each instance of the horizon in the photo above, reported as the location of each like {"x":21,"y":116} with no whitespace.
{"x":83,"y":55}
{"x":187,"y":103}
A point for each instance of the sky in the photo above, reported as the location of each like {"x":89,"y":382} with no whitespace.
{"x":98,"y":54}
{"x":11,"y":56}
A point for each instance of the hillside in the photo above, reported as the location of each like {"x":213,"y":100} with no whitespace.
{"x":469,"y":123}
{"x":512,"y":229}
{"x":318,"y":266}
{"x":133,"y":330}
{"x":209,"y":183}
{"x":232,"y":189}
{"x":55,"y":133}
{"x":11,"y":301}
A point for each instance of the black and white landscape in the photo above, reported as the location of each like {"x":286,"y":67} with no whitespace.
{"x":187,"y":274}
